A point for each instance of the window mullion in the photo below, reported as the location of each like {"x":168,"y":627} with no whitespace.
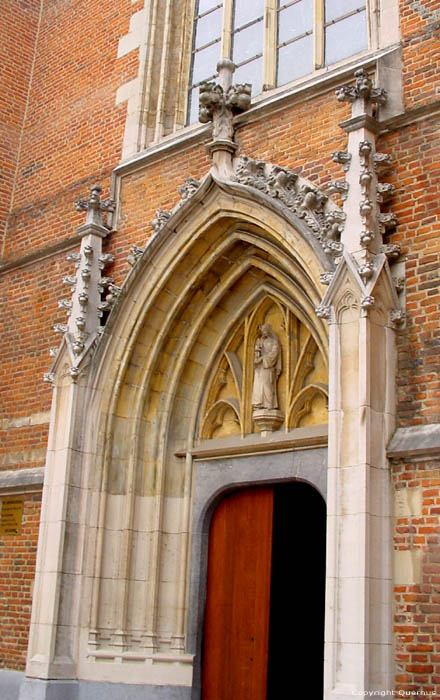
{"x":270,"y":44}
{"x":318,"y":34}
{"x":226,"y":43}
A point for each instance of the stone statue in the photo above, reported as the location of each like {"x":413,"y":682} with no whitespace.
{"x":267,"y":369}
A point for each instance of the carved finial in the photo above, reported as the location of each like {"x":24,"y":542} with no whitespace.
{"x":94,"y":206}
{"x":219,"y":103}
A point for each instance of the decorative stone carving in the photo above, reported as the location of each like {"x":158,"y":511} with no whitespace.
{"x":103,"y":283}
{"x":248,"y":392}
{"x":323,"y":311}
{"x":303,"y":199}
{"x":326,"y":277}
{"x":65,"y":304}
{"x":362,"y":89}
{"x":343,"y":158}
{"x":338,"y":187}
{"x":387,"y":221}
{"x":86,"y":286}
{"x":189,"y":188}
{"x":399,"y":284}
{"x":381,"y":160}
{"x":70,"y":280}
{"x":94,"y":206}
{"x":219,"y":102}
{"x":136,"y":254}
{"x":366,"y":271}
{"x":397,"y":317}
{"x":49,"y":378}
{"x":367,"y":302}
{"x":75,"y":258}
{"x":391,"y":250}
{"x":267,"y":368}
{"x":106,"y":259}
{"x":384,"y":191}
{"x":161,"y":219}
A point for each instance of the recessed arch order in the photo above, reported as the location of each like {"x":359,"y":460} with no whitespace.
{"x":225,"y":252}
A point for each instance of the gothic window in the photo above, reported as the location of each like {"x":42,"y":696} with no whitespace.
{"x":273,"y":42}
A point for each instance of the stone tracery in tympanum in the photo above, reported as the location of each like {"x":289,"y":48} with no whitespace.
{"x":233,"y":404}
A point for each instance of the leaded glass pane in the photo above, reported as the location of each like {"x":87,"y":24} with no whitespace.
{"x":208,"y":28}
{"x":295,"y":60}
{"x":248,"y":42}
{"x":205,"y":5}
{"x":295,"y":20}
{"x":247,"y":10}
{"x":193,"y":106}
{"x":251,"y":72}
{"x":337,"y":8}
{"x":346,"y":38}
{"x":205,"y":63}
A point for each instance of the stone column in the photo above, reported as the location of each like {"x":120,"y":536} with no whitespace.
{"x":55,"y":612}
{"x":361,"y":307}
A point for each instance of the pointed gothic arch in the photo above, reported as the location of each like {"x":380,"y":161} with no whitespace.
{"x":218,"y":257}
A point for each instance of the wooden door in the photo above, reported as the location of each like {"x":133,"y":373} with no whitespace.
{"x":236,"y":638}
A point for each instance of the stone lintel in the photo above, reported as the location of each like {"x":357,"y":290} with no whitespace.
{"x":362,"y":121}
{"x":278,"y":441}
{"x":415,"y":441}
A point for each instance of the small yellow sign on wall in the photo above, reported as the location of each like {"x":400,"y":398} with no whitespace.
{"x":11,"y":515}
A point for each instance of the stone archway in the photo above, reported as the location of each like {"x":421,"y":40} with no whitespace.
{"x":132,"y":418}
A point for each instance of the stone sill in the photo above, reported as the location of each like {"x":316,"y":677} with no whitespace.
{"x":415,"y":441}
{"x":20,"y":480}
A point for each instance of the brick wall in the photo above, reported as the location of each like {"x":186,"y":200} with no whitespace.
{"x":417,"y":605}
{"x":18,"y":29}
{"x":17,"y":571}
{"x":72,"y":137}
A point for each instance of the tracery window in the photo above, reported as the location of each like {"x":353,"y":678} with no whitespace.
{"x":273,"y":42}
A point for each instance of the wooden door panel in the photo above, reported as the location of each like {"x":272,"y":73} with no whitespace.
{"x":238,"y":598}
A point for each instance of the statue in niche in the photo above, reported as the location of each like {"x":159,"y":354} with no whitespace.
{"x":267,"y":369}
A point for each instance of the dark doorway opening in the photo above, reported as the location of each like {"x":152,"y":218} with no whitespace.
{"x":297,"y":601}
{"x":264,"y":621}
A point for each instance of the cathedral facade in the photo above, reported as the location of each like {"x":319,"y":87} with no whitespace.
{"x":219,"y":424}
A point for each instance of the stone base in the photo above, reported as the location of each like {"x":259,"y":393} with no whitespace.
{"x":35,"y":689}
{"x":10,"y":682}
{"x":267,"y":420}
